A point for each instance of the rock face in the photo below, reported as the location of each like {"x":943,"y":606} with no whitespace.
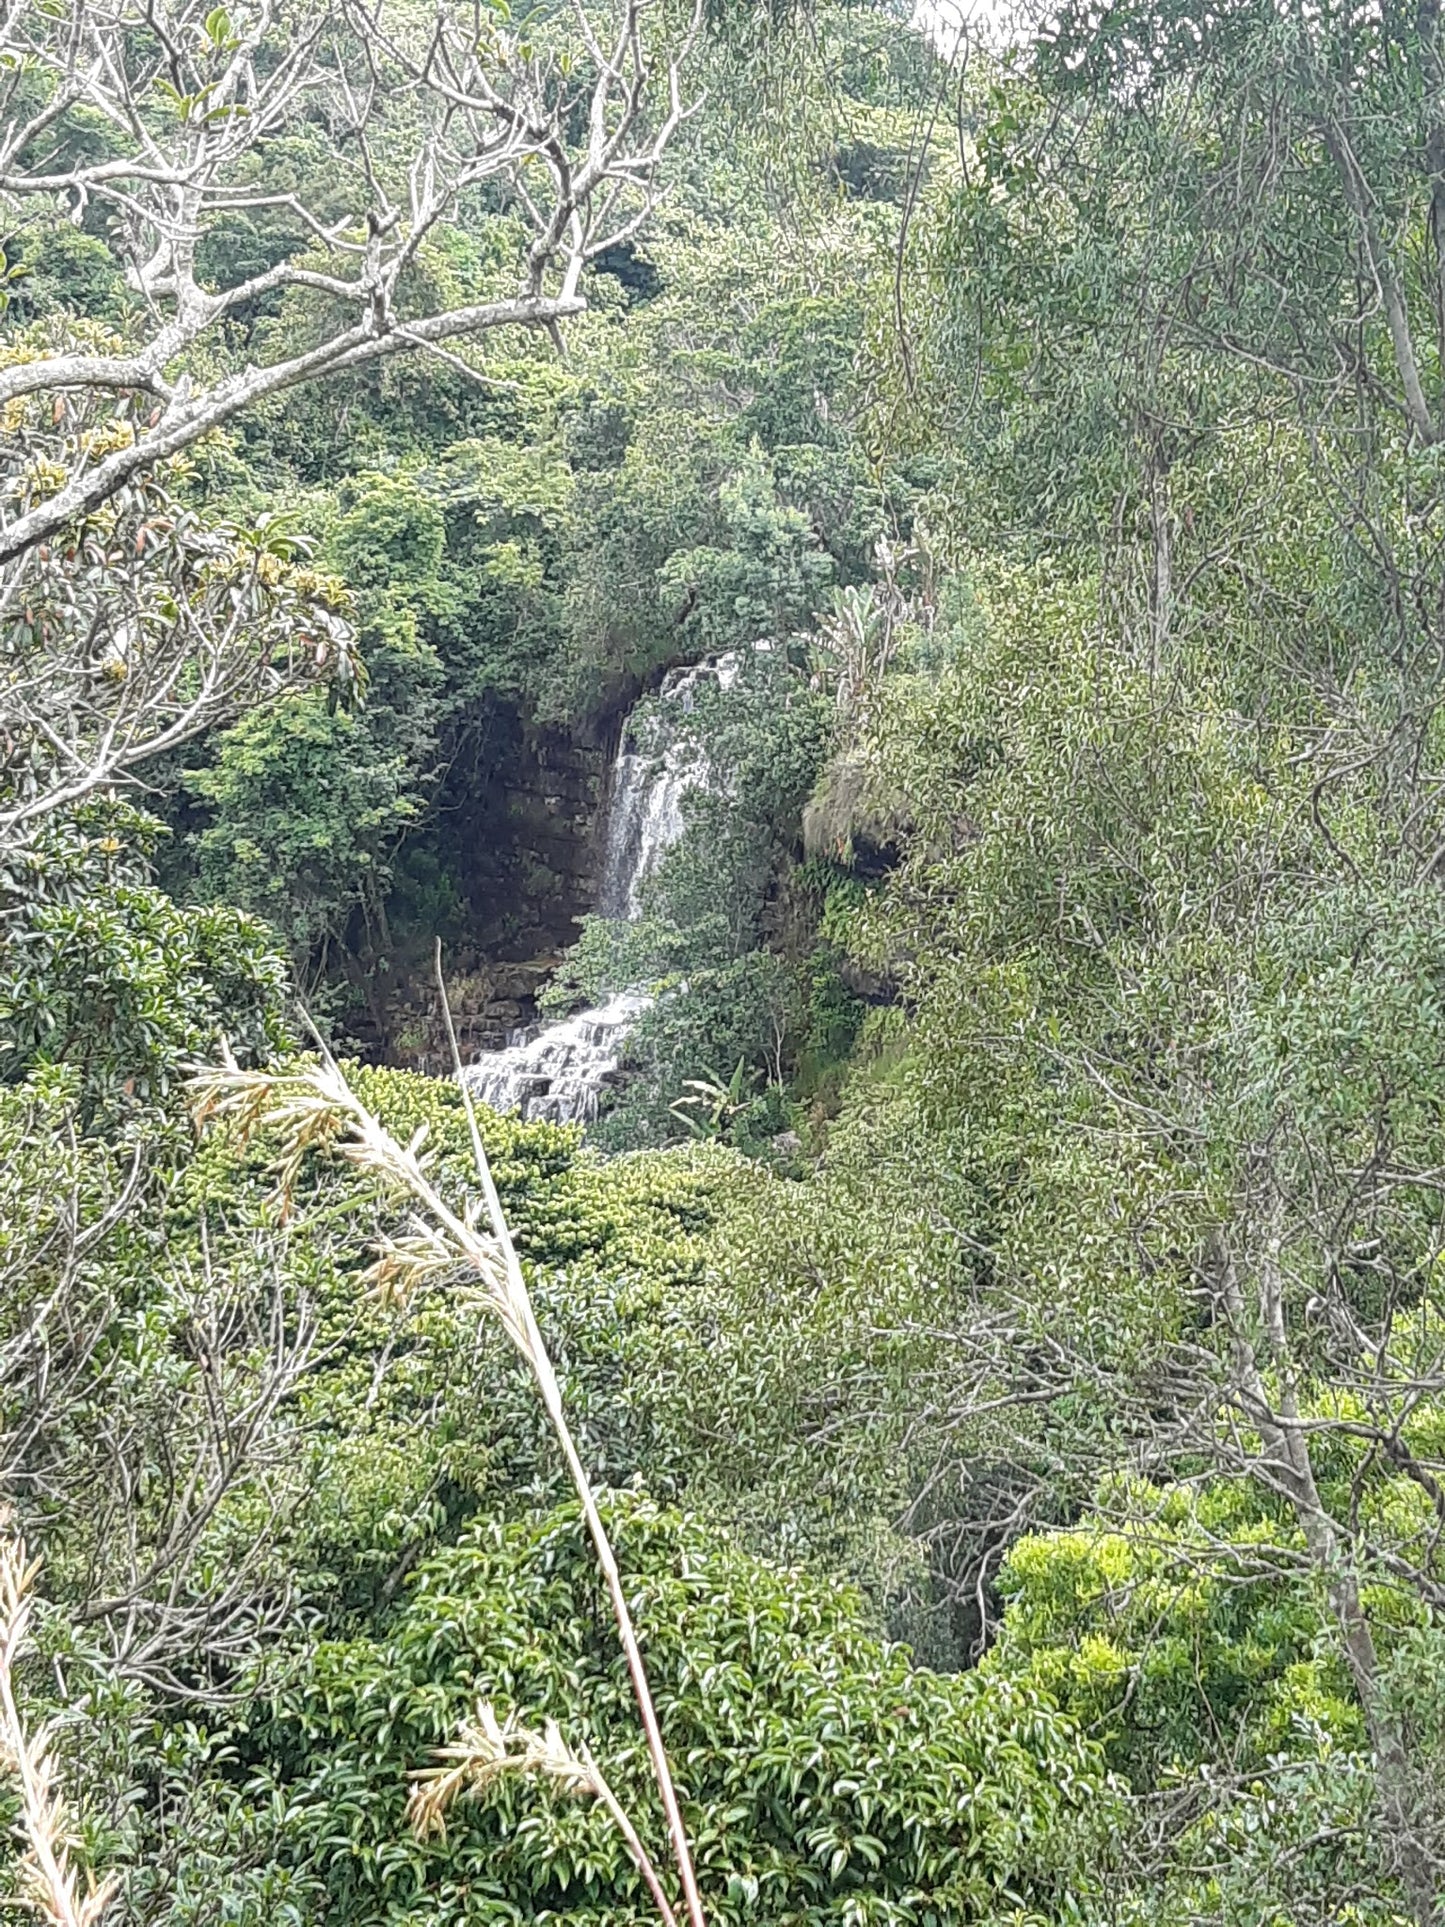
{"x":532,"y":854}
{"x":491,"y":1002}
{"x":517,"y":841}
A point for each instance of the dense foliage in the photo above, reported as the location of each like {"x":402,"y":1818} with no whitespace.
{"x":1000,"y":1301}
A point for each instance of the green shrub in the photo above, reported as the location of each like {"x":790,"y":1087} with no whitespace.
{"x":823,"y":1779}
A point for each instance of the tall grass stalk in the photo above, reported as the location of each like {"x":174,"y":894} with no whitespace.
{"x":485,"y":1748}
{"x":49,"y":1879}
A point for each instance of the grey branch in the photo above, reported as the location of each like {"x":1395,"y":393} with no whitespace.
{"x":414,"y":114}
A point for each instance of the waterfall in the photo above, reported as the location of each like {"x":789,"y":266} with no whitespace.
{"x":654,"y":770}
{"x":644,"y":820}
{"x":560,"y":1071}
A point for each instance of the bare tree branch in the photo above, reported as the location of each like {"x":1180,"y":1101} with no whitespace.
{"x":190,"y":99}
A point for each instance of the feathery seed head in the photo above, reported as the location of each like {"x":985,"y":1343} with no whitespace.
{"x":484,"y":1750}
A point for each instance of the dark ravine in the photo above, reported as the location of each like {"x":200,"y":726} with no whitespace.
{"x":521,"y":822}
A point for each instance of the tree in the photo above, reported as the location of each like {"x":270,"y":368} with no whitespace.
{"x":304,"y":815}
{"x":175,"y":118}
{"x":1192,"y":1089}
{"x":1343,"y":114}
{"x":826,"y":1779}
{"x":1185,"y":308}
{"x":144,"y":625}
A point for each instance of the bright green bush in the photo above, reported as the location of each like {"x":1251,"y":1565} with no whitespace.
{"x":1158,"y":1625}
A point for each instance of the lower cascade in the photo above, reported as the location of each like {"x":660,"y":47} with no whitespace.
{"x":559,"y":1072}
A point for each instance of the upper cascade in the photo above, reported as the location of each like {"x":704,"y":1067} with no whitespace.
{"x":558,"y":1072}
{"x":654,"y":770}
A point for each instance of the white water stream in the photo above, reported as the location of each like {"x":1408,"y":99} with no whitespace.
{"x":560,"y":1071}
{"x":654,"y":771}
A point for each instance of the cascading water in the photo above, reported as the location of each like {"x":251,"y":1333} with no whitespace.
{"x":560,"y":1071}
{"x":654,"y":770}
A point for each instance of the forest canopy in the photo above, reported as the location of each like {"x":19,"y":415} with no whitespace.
{"x":947,"y":1424}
